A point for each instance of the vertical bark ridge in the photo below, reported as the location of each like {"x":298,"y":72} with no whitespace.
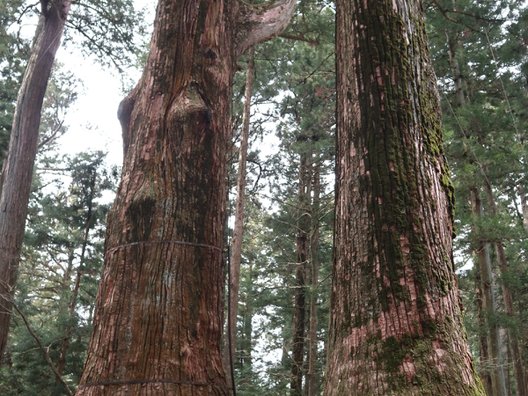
{"x":158,"y":319}
{"x":159,"y":310}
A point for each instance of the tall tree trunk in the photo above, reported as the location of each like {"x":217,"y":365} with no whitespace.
{"x":238,"y":231}
{"x":396,"y":325}
{"x":483,"y":336}
{"x":513,"y":338}
{"x":311,"y":374}
{"x":482,"y":252}
{"x":17,"y":172}
{"x":493,"y":373}
{"x":299,"y":293}
{"x":246,"y":360}
{"x":158,"y":318}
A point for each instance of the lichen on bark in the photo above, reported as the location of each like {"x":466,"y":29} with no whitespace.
{"x":396,"y":324}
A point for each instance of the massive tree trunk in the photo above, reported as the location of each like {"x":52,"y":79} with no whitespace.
{"x":17,"y":172}
{"x":158,"y":318}
{"x":396,"y":326}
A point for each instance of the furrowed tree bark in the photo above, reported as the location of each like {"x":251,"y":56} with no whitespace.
{"x":17,"y":172}
{"x":238,"y":231}
{"x":158,"y":318}
{"x":396,"y":324}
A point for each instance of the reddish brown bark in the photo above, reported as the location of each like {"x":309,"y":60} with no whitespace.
{"x":158,"y":318}
{"x":15,"y":180}
{"x":395,"y":324}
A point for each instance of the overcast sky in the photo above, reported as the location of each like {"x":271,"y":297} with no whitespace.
{"x":92,"y":120}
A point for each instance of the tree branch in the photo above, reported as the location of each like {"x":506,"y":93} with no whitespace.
{"x":445,"y":13}
{"x":44,"y":351}
{"x":257,"y":24}
{"x":299,"y":37}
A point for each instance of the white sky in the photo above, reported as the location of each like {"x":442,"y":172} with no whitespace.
{"x":92,"y":120}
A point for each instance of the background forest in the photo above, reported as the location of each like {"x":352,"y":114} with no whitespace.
{"x":480,"y":54}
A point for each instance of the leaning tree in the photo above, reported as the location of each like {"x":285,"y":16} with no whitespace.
{"x":90,"y":20}
{"x":395,"y":326}
{"x":158,"y":316}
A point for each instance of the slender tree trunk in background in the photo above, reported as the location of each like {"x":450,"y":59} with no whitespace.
{"x":312,"y":388}
{"x":458,"y":78}
{"x":238,"y":231}
{"x":524,"y":206}
{"x":299,"y":293}
{"x":483,"y":335}
{"x":492,"y":374}
{"x":17,"y":172}
{"x":396,"y":323}
{"x":484,"y":266}
{"x":72,"y":304}
{"x":247,"y":327}
{"x":158,"y":317}
{"x":513,"y":341}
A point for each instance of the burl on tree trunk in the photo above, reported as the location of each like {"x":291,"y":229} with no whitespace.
{"x":158,"y":319}
{"x":396,"y":326}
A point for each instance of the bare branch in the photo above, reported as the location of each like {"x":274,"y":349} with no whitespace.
{"x":257,"y":24}
{"x":299,"y":37}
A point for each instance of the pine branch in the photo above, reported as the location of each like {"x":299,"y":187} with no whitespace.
{"x":44,"y":350}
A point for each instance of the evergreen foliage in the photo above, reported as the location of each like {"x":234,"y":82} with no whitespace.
{"x":59,"y":272}
{"x":480,"y":56}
